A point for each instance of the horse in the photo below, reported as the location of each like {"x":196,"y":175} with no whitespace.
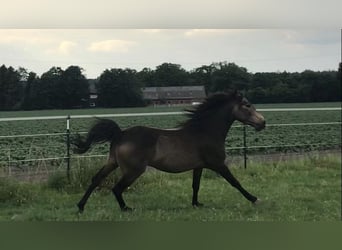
{"x":197,"y":143}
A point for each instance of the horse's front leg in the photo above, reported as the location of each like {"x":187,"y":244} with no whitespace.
{"x":225,"y":173}
{"x":196,"y":178}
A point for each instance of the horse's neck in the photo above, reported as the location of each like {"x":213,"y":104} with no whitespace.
{"x":219,"y":129}
{"x":214,"y":127}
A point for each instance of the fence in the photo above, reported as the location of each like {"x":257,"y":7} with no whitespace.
{"x":67,"y":158}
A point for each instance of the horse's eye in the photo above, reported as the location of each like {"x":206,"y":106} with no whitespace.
{"x":247,"y":105}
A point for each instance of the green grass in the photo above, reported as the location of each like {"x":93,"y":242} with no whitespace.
{"x":301,"y":190}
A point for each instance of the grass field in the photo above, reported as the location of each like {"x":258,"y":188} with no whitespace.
{"x":301,"y":190}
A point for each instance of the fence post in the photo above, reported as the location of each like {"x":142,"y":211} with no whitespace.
{"x":68,"y":146}
{"x":9,"y":162}
{"x":245,"y":146}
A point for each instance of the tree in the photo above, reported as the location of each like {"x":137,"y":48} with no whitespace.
{"x":58,"y":89}
{"x":73,"y":89}
{"x":46,"y":92}
{"x":10,"y":88}
{"x":229,"y":76}
{"x":339,"y":82}
{"x":146,"y":77}
{"x":69,"y":88}
{"x":28,"y":100}
{"x":23,"y":74}
{"x":119,"y":88}
{"x":257,"y":95}
{"x":169,"y":74}
{"x":203,"y":76}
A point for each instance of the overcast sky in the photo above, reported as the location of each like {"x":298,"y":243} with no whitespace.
{"x":261,"y":35}
{"x":170,"y":14}
{"x":98,"y":49}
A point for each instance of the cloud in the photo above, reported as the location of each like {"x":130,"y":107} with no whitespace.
{"x":22,"y":36}
{"x":120,"y":46}
{"x":66,"y":47}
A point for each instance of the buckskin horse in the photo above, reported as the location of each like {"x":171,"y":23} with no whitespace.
{"x":197,"y":143}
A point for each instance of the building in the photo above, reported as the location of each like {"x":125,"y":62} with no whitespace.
{"x":175,"y":95}
{"x":92,"y":93}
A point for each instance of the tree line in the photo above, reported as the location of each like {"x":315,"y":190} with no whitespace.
{"x":116,"y":87}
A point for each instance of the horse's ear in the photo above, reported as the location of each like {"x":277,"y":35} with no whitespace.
{"x":237,"y":95}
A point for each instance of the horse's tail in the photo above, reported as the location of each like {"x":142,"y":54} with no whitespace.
{"x":104,"y":130}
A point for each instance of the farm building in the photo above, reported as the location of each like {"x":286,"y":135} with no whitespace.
{"x":159,"y":95}
{"x":174,"y":95}
{"x":92,"y":93}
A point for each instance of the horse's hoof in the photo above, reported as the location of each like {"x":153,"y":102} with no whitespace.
{"x":257,"y":202}
{"x":197,"y":204}
{"x":80,"y":209}
{"x":126,"y":209}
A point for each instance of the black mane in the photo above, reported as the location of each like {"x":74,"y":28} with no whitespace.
{"x":206,"y":109}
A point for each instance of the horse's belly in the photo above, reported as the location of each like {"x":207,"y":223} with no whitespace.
{"x":174,"y":155}
{"x":176,"y":162}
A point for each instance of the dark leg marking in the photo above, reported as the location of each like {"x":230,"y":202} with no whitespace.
{"x":126,"y":180}
{"x":196,"y":179}
{"x":96,"y":180}
{"x":225,"y":172}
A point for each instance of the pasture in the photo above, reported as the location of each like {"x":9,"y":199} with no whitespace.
{"x":305,"y":189}
{"x":301,"y":190}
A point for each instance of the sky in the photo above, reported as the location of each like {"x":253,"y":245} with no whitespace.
{"x":259,"y":50}
{"x":261,"y":35}
{"x":170,"y":14}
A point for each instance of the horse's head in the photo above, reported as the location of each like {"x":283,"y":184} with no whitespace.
{"x":246,"y":113}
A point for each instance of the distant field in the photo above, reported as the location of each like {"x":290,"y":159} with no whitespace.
{"x":272,"y":139}
{"x":4,"y":114}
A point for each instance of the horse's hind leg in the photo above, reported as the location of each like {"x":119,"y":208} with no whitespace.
{"x":126,"y":180}
{"x":225,"y":172}
{"x":96,"y":180}
{"x":196,"y":178}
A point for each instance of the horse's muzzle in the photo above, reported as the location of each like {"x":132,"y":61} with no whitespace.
{"x":260,"y":126}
